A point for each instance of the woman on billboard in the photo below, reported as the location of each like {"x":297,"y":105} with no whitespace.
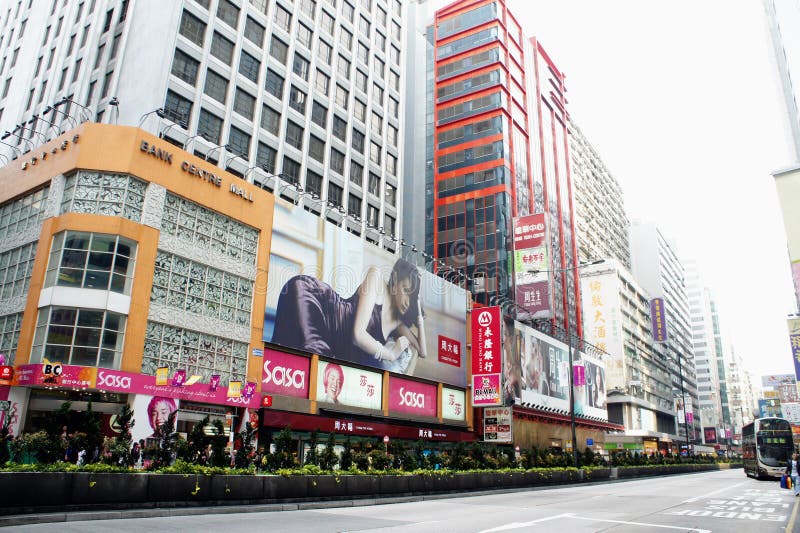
{"x":375,"y":326}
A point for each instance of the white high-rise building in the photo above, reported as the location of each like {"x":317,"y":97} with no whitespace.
{"x":601,"y":222}
{"x":659,"y":271}
{"x":783,"y":20}
{"x":308,"y":89}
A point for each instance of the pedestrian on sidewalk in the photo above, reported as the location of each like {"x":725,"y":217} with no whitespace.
{"x":792,"y":470}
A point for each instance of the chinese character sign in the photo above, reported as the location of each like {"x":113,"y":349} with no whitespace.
{"x":453,"y":404}
{"x":794,"y":342}
{"x":486,"y":355}
{"x":531,"y":284}
{"x":658,"y":317}
{"x":497,"y":424}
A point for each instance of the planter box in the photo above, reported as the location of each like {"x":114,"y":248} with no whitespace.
{"x":237,"y":487}
{"x":394,"y":485}
{"x":281,"y":488}
{"x":325,"y":487}
{"x":362,"y":485}
{"x":35,"y":489}
{"x":108,"y":488}
{"x":167,"y":488}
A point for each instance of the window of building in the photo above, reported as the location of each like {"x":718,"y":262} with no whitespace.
{"x":81,"y":337}
{"x":244,"y":103}
{"x":185,"y":67}
{"x":377,"y":95}
{"x":10,"y":326}
{"x":319,"y":114}
{"x":394,"y":80}
{"x":304,"y":35}
{"x":389,"y":225}
{"x":254,"y":32}
{"x":354,"y":205}
{"x":216,"y":86}
{"x":394,"y":55}
{"x":266,"y":158}
{"x":343,"y":67}
{"x":342,"y":95}
{"x":274,"y":84}
{"x":239,"y":142}
{"x":376,"y":124}
{"x":107,"y":23}
{"x":209,"y":126}
{"x":324,"y":52}
{"x":192,"y":28}
{"x":337,"y":161}
{"x":360,"y":110}
{"x":380,"y":16}
{"x":356,"y":173}
{"x":339,"y":128}
{"x":316,"y":148}
{"x":361,"y":80}
{"x":222,"y":48}
{"x":260,"y":5}
{"x":345,"y":39}
{"x":300,"y":66}
{"x":270,"y":120}
{"x":249,"y":66}
{"x":283,"y":19}
{"x":380,"y":41}
{"x":177,"y":107}
{"x":291,"y":170}
{"x":294,"y":135}
{"x":278,"y":49}
{"x":322,"y":82}
{"x":16,"y":266}
{"x":335,"y":194}
{"x":91,"y":261}
{"x":391,"y":165}
{"x":394,"y":107}
{"x":297,"y":100}
{"x":364,"y":26}
{"x":374,"y":185}
{"x":375,"y":153}
{"x":391,"y":194}
{"x":348,"y":11}
{"x":308,"y":7}
{"x":314,"y":183}
{"x":228,"y":13}
{"x":326,"y":21}
{"x":373,"y":215}
{"x":357,"y":141}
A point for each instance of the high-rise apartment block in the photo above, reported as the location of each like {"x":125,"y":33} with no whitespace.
{"x":601,"y":222}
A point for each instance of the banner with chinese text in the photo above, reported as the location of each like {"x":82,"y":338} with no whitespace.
{"x":531,"y":264}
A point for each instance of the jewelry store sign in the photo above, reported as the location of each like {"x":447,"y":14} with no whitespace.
{"x":193,"y":170}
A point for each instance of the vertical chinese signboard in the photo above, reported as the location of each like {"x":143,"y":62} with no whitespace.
{"x":497,"y":424}
{"x":486,"y":356}
{"x":794,"y":342}
{"x":531,"y":284}
{"x":658,"y":317}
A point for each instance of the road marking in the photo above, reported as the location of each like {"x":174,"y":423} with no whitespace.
{"x":519,"y":525}
{"x":692,"y":500}
{"x":790,"y":525}
{"x":682,"y":528}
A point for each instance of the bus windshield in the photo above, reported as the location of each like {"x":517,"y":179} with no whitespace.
{"x":774,"y":454}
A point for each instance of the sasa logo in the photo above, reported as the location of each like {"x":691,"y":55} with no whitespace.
{"x":412,"y":399}
{"x":284,"y":377}
{"x":113,"y":380}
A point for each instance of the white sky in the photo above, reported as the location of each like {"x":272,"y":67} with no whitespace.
{"x":681,"y":99}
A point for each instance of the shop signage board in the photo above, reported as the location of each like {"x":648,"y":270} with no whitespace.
{"x":497,"y":424}
{"x":346,"y":385}
{"x":453,"y":404}
{"x":412,"y":397}
{"x":285,"y":374}
{"x":531,"y":265}
{"x":486,"y":356}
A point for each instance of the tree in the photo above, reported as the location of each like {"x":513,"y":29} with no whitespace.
{"x":167,"y":443}
{"x":328,"y":458}
{"x":285,"y":448}
{"x":218,"y":455}
{"x":312,"y":457}
{"x":244,"y":457}
{"x":197,"y":441}
{"x":6,"y":437}
{"x":346,"y":460}
{"x":121,"y":445}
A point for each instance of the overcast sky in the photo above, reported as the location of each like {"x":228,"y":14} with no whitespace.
{"x":681,"y":100}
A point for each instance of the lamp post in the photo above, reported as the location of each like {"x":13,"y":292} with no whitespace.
{"x":570,"y":357}
{"x":229,"y":420}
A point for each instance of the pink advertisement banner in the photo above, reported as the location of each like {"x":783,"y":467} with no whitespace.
{"x":285,"y":374}
{"x":412,"y":397}
{"x":345,"y":385}
{"x":486,"y":390}
{"x":127,"y":382}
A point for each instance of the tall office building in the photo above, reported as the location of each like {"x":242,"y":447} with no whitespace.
{"x":498,"y":149}
{"x":659,"y":271}
{"x":308,"y":89}
{"x":708,"y":353}
{"x":601,"y":222}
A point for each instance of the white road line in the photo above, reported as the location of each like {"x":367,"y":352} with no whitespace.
{"x":519,"y":525}
{"x":692,"y":500}
{"x":682,"y":528}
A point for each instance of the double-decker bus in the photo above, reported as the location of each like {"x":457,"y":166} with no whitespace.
{"x":766,"y":446}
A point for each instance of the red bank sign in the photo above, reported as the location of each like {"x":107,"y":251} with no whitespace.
{"x":487,"y":352}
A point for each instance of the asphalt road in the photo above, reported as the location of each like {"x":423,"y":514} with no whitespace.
{"x":714,"y":501}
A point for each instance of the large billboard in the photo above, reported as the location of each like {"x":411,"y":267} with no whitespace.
{"x":603,"y":323}
{"x":333,"y":294}
{"x":345,"y":385}
{"x":531,"y":265}
{"x":285,"y":374}
{"x":776,"y":380}
{"x":544,"y":373}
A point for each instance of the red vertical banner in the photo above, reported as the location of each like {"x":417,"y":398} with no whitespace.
{"x":486,"y":356}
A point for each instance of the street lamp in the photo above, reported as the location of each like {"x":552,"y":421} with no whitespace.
{"x":229,"y":420}
{"x":571,"y":362}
